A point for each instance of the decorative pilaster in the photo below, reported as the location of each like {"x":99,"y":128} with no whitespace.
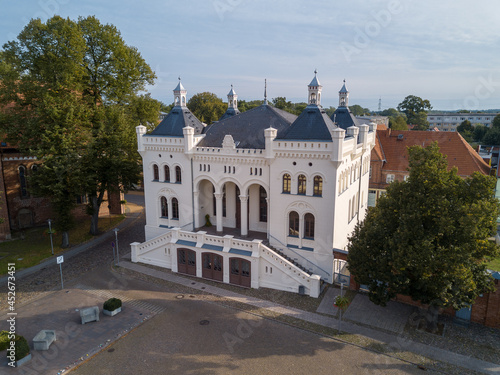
{"x":244,"y":214}
{"x":218,"y":210}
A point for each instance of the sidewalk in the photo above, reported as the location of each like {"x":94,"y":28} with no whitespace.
{"x":395,"y":341}
{"x":132,"y":215}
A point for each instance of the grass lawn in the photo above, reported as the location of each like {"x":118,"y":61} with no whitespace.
{"x":494,"y":265}
{"x":31,"y":246}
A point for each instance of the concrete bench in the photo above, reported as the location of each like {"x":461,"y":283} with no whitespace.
{"x":89,"y":314}
{"x":43,"y":339}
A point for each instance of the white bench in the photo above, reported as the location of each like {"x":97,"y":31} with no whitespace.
{"x":89,"y":314}
{"x":43,"y":339}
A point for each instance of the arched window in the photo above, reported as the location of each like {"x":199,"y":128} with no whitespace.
{"x":287,"y":181}
{"x":318,"y":186}
{"x":167,"y":173}
{"x":22,"y":181}
{"x":156,"y":173}
{"x":175,"y":209}
{"x":164,"y":207}
{"x":309,"y":226}
{"x":301,"y":187}
{"x":293,"y":224}
{"x":262,"y":205}
{"x":178,"y":175}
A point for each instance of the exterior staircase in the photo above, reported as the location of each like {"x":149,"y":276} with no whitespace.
{"x":280,"y":253}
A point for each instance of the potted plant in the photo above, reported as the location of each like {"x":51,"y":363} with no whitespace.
{"x":341,"y":302}
{"x":112,"y":306}
{"x":20,"y":354}
{"x":207,"y":221}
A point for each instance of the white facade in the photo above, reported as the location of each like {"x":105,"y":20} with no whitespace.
{"x":449,"y":121}
{"x":304,"y":195}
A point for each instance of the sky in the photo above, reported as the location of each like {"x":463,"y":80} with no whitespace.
{"x":445,"y":51}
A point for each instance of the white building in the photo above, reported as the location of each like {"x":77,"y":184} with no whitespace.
{"x":448,"y":121}
{"x":282,"y":192}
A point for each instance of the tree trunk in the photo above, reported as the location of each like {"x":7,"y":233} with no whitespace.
{"x":432,"y":318}
{"x":94,"y":218}
{"x":65,"y":239}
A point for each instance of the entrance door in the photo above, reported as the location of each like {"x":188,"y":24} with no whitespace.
{"x":240,"y":272}
{"x":212,"y":266}
{"x":186,"y":261}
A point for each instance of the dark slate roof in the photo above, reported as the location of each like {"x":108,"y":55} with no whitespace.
{"x":312,"y":124}
{"x":229,"y":113}
{"x":247,"y":129}
{"x":344,"y":118}
{"x":178,"y":118}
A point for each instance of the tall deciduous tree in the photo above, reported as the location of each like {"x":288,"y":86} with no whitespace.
{"x":496,"y":122}
{"x":207,"y":107}
{"x":73,"y":96}
{"x":428,"y":236}
{"x":415,"y":109}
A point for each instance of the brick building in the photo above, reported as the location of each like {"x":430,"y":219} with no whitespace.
{"x":389,"y":158}
{"x":18,"y":207}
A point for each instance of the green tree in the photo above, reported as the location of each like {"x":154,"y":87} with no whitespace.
{"x":479,"y":132}
{"x":428,"y":236}
{"x":77,"y":85}
{"x":244,"y":106}
{"x":466,"y":130}
{"x":465,"y":126}
{"x":390,"y":112}
{"x":330,"y":110}
{"x":398,"y":123}
{"x":415,"y":109}
{"x":492,"y":137}
{"x":207,"y":107}
{"x":281,"y":103}
{"x":496,"y":122}
{"x":357,"y":110}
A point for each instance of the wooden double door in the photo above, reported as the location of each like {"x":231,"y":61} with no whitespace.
{"x":212,"y":266}
{"x":186,"y":261}
{"x":240,"y":273}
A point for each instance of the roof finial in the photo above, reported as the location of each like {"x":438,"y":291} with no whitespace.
{"x":315,"y":71}
{"x":344,"y":81}
{"x":265,"y":91}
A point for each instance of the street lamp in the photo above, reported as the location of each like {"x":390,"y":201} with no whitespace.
{"x":50,"y":233}
{"x":116,"y":239}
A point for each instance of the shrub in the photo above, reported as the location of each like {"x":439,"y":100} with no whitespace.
{"x":4,"y":340}
{"x":22,"y":347}
{"x":112,"y":304}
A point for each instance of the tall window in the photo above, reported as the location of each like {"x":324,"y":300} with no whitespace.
{"x":156,"y":173}
{"x":309,"y":226}
{"x":164,"y":207}
{"x":287,"y":181}
{"x":22,"y":180}
{"x":262,"y":205}
{"x":167,"y":173}
{"x":301,"y":187}
{"x":178,"y":175}
{"x":293,"y":224}
{"x":318,"y":186}
{"x":175,"y":209}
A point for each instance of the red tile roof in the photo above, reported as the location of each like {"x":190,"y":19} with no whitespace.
{"x":393,"y":145}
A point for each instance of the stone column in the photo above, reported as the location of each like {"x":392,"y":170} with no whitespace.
{"x":196,"y":208}
{"x":218,"y":210}
{"x":244,"y":214}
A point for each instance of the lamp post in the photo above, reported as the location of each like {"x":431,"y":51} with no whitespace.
{"x":116,"y":239}
{"x":50,"y":233}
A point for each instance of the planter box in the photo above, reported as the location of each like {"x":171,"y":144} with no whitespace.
{"x":111,"y":313}
{"x":22,"y":361}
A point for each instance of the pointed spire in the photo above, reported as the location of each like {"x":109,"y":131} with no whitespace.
{"x":314,"y":89}
{"x":180,"y":95}
{"x":232,"y":99}
{"x":265,"y":91}
{"x":343,"y":96}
